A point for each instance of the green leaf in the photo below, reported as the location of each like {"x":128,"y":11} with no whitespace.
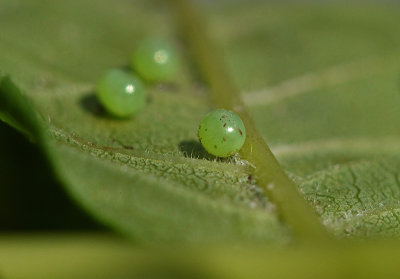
{"x":145,"y":176}
{"x":321,"y":83}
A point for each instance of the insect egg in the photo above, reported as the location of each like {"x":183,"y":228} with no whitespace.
{"x":222,"y":133}
{"x":155,"y":60}
{"x":121,"y":93}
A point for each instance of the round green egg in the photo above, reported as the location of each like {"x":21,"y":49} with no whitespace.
{"x":121,"y":93}
{"x":222,"y":133}
{"x":155,"y":60}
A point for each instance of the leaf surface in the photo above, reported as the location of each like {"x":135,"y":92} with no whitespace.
{"x":320,"y":81}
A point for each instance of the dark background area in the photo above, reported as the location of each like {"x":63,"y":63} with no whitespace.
{"x":31,"y":198}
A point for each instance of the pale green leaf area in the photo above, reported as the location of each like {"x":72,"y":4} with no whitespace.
{"x":323,"y":85}
{"x":321,"y":82}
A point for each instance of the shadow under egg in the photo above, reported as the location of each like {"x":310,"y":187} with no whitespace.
{"x":194,"y":149}
{"x":91,"y":104}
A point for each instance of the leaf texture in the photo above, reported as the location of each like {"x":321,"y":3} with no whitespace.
{"x":321,"y":82}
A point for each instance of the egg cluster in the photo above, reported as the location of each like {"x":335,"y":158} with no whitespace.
{"x":123,"y":94}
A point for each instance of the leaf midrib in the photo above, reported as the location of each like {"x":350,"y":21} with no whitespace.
{"x":297,"y":214}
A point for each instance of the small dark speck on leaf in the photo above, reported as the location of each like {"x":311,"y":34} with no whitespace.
{"x":128,"y":147}
{"x":123,"y":145}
